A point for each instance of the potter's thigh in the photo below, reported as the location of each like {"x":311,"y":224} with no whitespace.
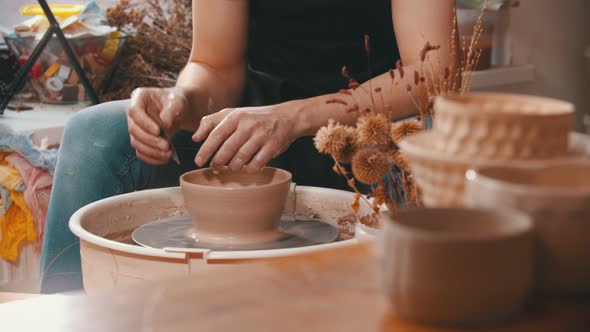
{"x":96,"y":142}
{"x":95,"y":161}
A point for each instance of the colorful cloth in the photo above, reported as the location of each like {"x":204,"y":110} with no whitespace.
{"x":23,"y":145}
{"x":38,"y":188}
{"x":5,"y":201}
{"x":10,"y":178}
{"x":16,"y":225}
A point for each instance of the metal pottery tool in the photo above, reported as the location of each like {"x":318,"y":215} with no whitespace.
{"x":156,"y":117}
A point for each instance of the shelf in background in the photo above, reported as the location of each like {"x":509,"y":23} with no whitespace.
{"x":42,"y":116}
{"x":502,"y":76}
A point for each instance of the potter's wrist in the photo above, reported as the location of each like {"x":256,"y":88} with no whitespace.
{"x":298,"y":113}
{"x":194,"y":106}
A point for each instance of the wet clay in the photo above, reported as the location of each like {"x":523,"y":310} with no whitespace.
{"x":236,"y":207}
{"x":121,"y":237}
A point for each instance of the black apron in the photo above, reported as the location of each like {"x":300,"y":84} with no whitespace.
{"x":296,"y":50}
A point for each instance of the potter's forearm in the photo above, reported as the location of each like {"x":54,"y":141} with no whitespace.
{"x":201,"y":82}
{"x":313,"y":113}
{"x":217,"y":63}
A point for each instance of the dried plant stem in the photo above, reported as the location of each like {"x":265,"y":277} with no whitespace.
{"x":437,"y":80}
{"x":382,"y":102}
{"x":350,"y":181}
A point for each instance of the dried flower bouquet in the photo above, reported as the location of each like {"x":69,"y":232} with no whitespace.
{"x":371,"y":146}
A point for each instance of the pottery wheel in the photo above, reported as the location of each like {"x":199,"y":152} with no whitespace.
{"x":180,"y":233}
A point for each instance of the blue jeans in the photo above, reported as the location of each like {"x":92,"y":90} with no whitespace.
{"x":96,"y":161}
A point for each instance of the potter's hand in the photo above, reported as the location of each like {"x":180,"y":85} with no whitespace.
{"x":147,"y":105}
{"x":249,"y":136}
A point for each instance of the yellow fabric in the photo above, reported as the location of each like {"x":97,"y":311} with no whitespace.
{"x":17,"y":225}
{"x":9,"y":176}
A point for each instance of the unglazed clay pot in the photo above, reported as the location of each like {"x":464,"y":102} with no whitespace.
{"x":558,"y":199}
{"x":235,"y":207}
{"x":441,"y":176}
{"x":501,"y":126}
{"x":456,"y":266}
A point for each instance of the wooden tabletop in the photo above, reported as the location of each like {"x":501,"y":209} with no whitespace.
{"x":336,"y":290}
{"x":9,"y":297}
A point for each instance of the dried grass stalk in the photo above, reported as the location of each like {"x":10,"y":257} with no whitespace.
{"x":157,"y":47}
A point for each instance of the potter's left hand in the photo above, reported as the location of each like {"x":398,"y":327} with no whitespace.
{"x":248,"y":136}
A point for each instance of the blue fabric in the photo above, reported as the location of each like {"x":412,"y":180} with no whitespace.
{"x":394,"y":185}
{"x":394,"y":181}
{"x":6,"y":201}
{"x":23,"y":145}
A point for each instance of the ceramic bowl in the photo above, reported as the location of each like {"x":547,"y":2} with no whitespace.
{"x":234,"y":206}
{"x":441,"y":176}
{"x":501,"y":126}
{"x":558,"y":199}
{"x":456,"y":266}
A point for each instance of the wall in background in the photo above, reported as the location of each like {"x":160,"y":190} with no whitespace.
{"x":552,"y":35}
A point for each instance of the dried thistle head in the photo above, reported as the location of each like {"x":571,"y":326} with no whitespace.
{"x":369,"y":166}
{"x":373,"y":129}
{"x":346,"y":154}
{"x":336,"y":140}
{"x":401,"y":161}
{"x":391,"y":151}
{"x":405,"y":128}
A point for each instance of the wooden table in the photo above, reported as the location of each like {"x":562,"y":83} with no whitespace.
{"x":335,"y":290}
{"x":9,"y":297}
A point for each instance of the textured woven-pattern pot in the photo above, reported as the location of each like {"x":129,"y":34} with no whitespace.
{"x":502,"y":126}
{"x":441,"y":176}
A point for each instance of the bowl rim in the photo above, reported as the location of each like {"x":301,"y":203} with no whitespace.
{"x":459,"y":104}
{"x":522,"y":225}
{"x":413,"y":147}
{"x":475,"y":176}
{"x":185,"y":183}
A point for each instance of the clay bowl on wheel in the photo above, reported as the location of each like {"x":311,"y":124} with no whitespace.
{"x":448,"y":266}
{"x":235,"y":207}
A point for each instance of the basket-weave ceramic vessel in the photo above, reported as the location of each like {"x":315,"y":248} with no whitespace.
{"x":441,"y":176}
{"x":500,"y":126}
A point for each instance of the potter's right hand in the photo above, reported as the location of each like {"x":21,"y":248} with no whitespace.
{"x":153,"y":109}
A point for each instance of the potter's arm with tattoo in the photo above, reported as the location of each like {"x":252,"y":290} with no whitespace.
{"x":216,"y":69}
{"x":252,"y":136}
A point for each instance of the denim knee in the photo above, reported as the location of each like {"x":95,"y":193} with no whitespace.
{"x":97,"y":132}
{"x":95,"y":150}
